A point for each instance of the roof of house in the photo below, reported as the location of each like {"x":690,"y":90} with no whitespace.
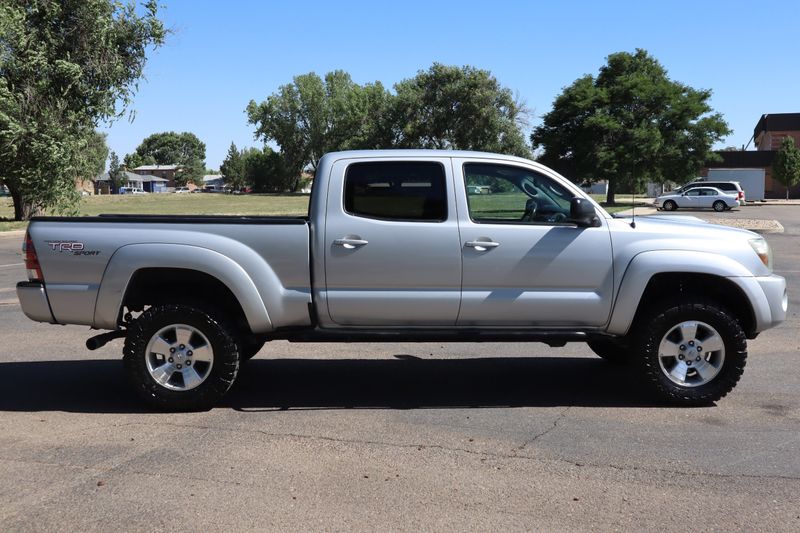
{"x":132,"y":176}
{"x":213,"y":177}
{"x":777,"y":122}
{"x":150,"y":168}
{"x":743,"y":159}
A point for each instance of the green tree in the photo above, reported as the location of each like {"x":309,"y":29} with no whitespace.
{"x":96,"y":154}
{"x":786,"y":167}
{"x":171,"y":148}
{"x":629,"y":124}
{"x":312,"y":116}
{"x":465,"y":108}
{"x":266,"y":171}
{"x":65,"y":66}
{"x":233,"y":169}
{"x":116,"y":174}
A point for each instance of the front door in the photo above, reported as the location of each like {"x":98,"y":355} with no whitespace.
{"x":523,"y":263}
{"x":392,"y":251}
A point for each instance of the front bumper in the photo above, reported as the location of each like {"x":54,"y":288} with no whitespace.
{"x":33,"y":300}
{"x":774,"y":288}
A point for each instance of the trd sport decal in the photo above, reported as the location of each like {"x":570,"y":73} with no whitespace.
{"x":71,"y":247}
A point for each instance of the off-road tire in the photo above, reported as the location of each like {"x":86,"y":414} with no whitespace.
{"x":616,"y":352}
{"x":669,"y":205}
{"x":662,"y":318}
{"x":225,"y":357}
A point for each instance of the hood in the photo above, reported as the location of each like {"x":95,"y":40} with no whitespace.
{"x":686,"y":226}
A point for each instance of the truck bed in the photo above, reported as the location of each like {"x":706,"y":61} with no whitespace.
{"x":87,"y":266}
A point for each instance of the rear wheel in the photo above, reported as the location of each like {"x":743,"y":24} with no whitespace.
{"x":719,"y":206}
{"x":669,"y":205}
{"x":692,"y":353}
{"x":180,"y":357}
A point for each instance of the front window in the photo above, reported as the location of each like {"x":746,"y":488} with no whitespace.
{"x":503,"y":194}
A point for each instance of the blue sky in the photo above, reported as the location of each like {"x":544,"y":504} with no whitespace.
{"x":223,"y":54}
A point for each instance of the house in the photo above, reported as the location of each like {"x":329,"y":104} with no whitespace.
{"x":755,"y":166}
{"x":160,"y":171}
{"x":145,"y":182}
{"x":214,"y":182}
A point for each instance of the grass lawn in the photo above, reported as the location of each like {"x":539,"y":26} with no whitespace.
{"x":177,"y":204}
{"x":623,"y":202}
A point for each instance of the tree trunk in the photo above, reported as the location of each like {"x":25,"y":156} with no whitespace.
{"x":22,"y":210}
{"x":611,"y":192}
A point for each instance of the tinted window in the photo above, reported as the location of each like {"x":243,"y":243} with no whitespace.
{"x":508,"y":194}
{"x":396,"y":190}
{"x":693,"y":192}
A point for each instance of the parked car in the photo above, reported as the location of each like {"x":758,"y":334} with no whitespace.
{"x":182,"y":190}
{"x":729,"y":187}
{"x":697,"y":198}
{"x":478,"y":189}
{"x":131,"y":190}
{"x":394,"y":250}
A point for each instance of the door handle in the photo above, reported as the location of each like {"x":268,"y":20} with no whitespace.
{"x":350,"y":243}
{"x":481,"y":246}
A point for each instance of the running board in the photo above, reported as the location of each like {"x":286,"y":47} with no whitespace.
{"x":551,"y":338}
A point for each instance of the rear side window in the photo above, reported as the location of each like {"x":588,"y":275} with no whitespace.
{"x":396,"y":190}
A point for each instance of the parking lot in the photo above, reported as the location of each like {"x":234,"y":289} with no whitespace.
{"x":397,"y":436}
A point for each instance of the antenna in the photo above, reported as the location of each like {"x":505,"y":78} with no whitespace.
{"x":633,"y":197}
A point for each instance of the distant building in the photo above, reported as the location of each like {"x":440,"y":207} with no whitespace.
{"x":214,"y":182}
{"x":160,"y":171}
{"x":770,"y":130}
{"x":773,"y":128}
{"x":146,"y":182}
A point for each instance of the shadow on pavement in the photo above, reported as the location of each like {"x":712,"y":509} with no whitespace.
{"x":405,"y":382}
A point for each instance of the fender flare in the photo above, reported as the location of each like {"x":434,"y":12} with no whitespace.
{"x":127,"y":260}
{"x":645,"y":265}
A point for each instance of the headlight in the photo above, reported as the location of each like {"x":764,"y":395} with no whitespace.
{"x":761,"y":248}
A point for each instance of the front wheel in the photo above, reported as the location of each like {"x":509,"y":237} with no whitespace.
{"x":719,"y":206}
{"x":692,"y":353}
{"x":180,"y":357}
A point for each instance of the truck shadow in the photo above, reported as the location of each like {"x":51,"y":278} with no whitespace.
{"x":405,"y":382}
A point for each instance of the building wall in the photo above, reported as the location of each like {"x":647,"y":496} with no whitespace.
{"x":771,"y":140}
{"x":166,"y":174}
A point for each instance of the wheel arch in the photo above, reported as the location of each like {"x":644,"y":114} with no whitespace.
{"x":655,"y":276}
{"x":199,"y":273}
{"x":667,"y":285}
{"x":152,"y":286}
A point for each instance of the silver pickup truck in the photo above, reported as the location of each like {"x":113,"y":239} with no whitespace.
{"x":409,"y":246}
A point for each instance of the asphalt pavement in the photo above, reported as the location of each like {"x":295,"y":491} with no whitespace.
{"x":397,"y":436}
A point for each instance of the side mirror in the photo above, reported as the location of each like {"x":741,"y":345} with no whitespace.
{"x":582,"y":213}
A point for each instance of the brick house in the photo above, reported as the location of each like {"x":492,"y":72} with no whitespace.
{"x":160,"y":171}
{"x":770,"y":130}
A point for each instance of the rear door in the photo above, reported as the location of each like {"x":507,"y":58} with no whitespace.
{"x":392,"y":248}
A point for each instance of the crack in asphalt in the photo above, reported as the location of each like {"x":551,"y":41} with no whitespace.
{"x":538,"y":436}
{"x":493,"y":455}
